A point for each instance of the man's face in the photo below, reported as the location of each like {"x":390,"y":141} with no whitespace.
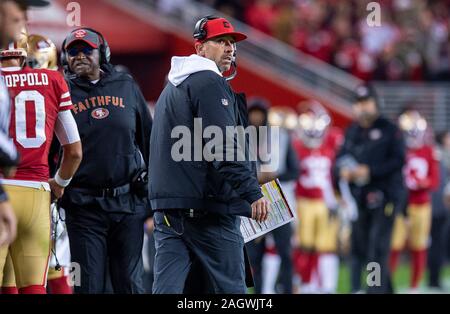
{"x":257,"y":117}
{"x":12,"y":21}
{"x":220,"y":50}
{"x":83,"y":60}
{"x":365,"y":111}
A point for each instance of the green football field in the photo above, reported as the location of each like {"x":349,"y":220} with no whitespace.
{"x":401,"y":280}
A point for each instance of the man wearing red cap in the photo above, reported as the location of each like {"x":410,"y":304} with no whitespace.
{"x":198,"y":200}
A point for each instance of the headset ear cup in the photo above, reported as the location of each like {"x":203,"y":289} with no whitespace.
{"x":100,"y":55}
{"x":63,"y":60}
{"x":199,"y":31}
{"x":108,"y":54}
{"x":62,"y":55}
{"x":106,"y":51}
{"x":202,"y":29}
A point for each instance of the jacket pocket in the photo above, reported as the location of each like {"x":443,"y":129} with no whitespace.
{"x":230,"y":228}
{"x":169,"y":223}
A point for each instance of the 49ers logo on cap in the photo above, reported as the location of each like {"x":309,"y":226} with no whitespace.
{"x":80,"y":33}
{"x":100,"y":113}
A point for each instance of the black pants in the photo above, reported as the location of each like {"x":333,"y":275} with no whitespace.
{"x":97,"y":238}
{"x":213,"y":242}
{"x":436,"y":252}
{"x":370,"y":243}
{"x":256,"y":250}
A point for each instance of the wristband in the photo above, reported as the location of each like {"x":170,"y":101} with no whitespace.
{"x":60,"y":181}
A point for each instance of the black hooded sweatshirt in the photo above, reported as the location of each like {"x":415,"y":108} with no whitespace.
{"x":114,"y":125}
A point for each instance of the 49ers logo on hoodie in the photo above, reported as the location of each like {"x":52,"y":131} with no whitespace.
{"x":100,"y":113}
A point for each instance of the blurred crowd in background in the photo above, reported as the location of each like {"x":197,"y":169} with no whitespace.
{"x":412,"y":42}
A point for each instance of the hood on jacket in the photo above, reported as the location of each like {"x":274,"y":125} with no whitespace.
{"x":182,"y":67}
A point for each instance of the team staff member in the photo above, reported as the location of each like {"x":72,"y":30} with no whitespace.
{"x":106,"y":202}
{"x":375,"y":154}
{"x":197,"y":201}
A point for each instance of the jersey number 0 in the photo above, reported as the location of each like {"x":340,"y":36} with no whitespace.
{"x":21,"y":119}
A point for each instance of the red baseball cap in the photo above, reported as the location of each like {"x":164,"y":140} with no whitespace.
{"x":85,"y":35}
{"x":221,"y":27}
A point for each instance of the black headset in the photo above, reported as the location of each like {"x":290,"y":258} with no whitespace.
{"x":199,"y":30}
{"x":105,"y":51}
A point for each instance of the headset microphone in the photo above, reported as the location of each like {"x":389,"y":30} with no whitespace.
{"x":233,"y":65}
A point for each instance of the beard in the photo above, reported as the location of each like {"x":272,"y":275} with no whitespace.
{"x":224,"y":68}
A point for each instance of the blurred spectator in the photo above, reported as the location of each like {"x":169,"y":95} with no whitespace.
{"x":311,"y":35}
{"x":284,"y":23}
{"x":234,"y":8}
{"x":261,"y":15}
{"x":374,"y":39}
{"x":172,"y":7}
{"x":436,"y":43}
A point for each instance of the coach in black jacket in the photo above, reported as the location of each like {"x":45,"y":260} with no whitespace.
{"x":197,"y":196}
{"x":106,"y":203}
{"x":371,"y":160}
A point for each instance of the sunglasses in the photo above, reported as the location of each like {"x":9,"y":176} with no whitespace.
{"x":73,"y":52}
